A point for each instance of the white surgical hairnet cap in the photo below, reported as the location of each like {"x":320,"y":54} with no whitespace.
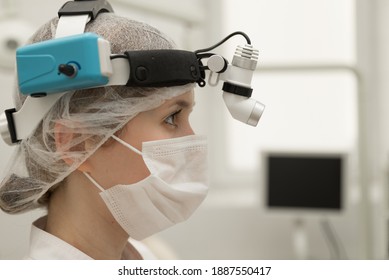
{"x":92,"y":114}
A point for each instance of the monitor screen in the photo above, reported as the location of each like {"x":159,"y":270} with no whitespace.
{"x":304,"y":181}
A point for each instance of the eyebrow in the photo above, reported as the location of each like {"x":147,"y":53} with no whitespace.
{"x":183,"y":104}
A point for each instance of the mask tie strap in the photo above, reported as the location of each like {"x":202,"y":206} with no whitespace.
{"x":94,"y":182}
{"x":135,"y":150}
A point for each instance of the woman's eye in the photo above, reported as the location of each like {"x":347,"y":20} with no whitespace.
{"x":171,"y":120}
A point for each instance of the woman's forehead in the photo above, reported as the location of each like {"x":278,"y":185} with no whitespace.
{"x":184,"y":100}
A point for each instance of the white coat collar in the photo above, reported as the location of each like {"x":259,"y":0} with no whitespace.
{"x":45,"y":246}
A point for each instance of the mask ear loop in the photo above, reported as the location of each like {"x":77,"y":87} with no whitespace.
{"x":127,"y":145}
{"x":94,"y":182}
{"x":121,"y":142}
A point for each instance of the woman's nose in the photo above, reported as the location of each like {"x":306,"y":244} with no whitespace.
{"x":188,"y":130}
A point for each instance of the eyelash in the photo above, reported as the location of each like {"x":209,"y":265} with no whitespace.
{"x":173,"y":116}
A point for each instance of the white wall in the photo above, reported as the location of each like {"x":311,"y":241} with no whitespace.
{"x":306,"y":77}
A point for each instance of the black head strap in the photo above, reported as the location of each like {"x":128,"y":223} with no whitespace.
{"x":163,"y":68}
{"x":82,"y":7}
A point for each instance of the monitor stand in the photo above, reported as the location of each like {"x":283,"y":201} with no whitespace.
{"x":300,"y":239}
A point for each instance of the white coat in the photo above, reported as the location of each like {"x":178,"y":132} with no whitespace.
{"x":45,"y":246}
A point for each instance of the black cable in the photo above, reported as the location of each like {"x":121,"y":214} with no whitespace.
{"x":204,"y":55}
{"x":224,"y":40}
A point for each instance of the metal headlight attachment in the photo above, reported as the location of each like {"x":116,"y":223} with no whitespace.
{"x":243,"y":109}
{"x":237,"y":78}
{"x":237,"y":87}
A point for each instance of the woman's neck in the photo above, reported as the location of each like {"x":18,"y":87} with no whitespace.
{"x":78,"y":215}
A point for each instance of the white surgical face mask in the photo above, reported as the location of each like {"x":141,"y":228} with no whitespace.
{"x":176,"y":186}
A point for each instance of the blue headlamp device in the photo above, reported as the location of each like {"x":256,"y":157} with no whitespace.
{"x":85,"y":61}
{"x":75,"y":60}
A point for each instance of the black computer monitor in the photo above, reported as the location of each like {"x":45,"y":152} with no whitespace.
{"x":304,"y":181}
